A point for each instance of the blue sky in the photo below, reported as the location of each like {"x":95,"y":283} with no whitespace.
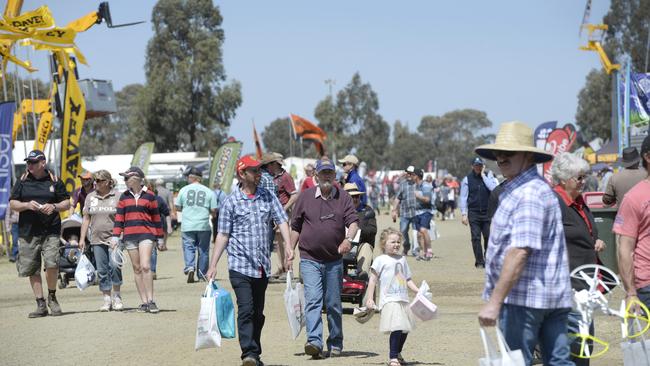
{"x":511,"y":59}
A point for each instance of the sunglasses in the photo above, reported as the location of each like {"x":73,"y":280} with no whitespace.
{"x":580,"y":178}
{"x":100,"y":180}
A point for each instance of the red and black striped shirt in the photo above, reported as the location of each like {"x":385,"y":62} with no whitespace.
{"x":138,"y":217}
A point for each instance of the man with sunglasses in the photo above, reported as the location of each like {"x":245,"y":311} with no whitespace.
{"x":318,"y":224}
{"x":79,"y":195}
{"x":39,"y":196}
{"x":244,"y":223}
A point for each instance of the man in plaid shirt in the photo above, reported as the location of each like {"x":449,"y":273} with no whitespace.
{"x":527,"y":284}
{"x":244,"y":223}
{"x":405,"y":206}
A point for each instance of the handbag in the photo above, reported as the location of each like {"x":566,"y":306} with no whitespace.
{"x":421,"y":306}
{"x":294,"y":303}
{"x":225,"y":311}
{"x":506,"y":357}
{"x":84,"y":274}
{"x":207,"y":330}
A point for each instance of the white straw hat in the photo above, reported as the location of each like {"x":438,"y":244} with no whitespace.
{"x":514,"y":136}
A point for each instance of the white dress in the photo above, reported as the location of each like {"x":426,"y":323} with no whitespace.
{"x":393,"y":273}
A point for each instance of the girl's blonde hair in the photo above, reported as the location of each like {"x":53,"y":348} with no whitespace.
{"x":383,"y":238}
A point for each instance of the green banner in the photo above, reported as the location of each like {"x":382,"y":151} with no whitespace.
{"x":142,"y":157}
{"x":223,"y":165}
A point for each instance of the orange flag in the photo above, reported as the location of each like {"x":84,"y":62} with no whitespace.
{"x":302,"y":126}
{"x":258,"y":146}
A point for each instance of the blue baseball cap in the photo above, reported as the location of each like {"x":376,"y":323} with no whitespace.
{"x":324,"y":165}
{"x":477,"y":161}
{"x":35,"y":155}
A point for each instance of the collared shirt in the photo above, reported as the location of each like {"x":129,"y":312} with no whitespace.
{"x":247,"y":222}
{"x":266,"y":182}
{"x":406,"y":197}
{"x":490,"y":183}
{"x":101,"y":210}
{"x":529,"y":216}
{"x":578,"y":204}
{"x":137,"y":216}
{"x":354,"y":177}
{"x":286,"y":186}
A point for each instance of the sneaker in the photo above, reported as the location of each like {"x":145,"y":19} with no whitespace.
{"x":41,"y":309}
{"x":249,"y":361}
{"x":418,"y":258}
{"x":143,"y":308}
{"x":190,"y":276}
{"x":53,"y":304}
{"x":335,"y":352}
{"x":107,"y":304}
{"x":118,"y":305}
{"x":312,"y":350}
{"x":12,"y":259}
{"x":153,"y":309}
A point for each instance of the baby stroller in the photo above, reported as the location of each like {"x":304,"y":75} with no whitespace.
{"x":356,"y":268}
{"x":69,"y":249}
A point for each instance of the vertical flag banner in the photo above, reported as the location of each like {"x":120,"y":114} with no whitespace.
{"x":258,"y":146}
{"x":142,"y":156}
{"x":45,"y":123}
{"x":7,"y":110}
{"x":223,"y":165}
{"x":74,"y":115}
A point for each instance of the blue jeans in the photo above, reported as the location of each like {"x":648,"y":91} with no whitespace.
{"x":108,"y":272}
{"x":14,"y":240}
{"x":404,"y":224}
{"x":154,"y":257}
{"x":644,"y":295}
{"x":524,"y":327}
{"x":323,"y":280}
{"x":192,"y":240}
{"x":574,"y":318}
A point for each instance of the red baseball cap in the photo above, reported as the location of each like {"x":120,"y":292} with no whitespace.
{"x":247,"y":161}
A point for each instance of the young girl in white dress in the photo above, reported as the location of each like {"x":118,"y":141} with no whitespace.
{"x":394,"y":275}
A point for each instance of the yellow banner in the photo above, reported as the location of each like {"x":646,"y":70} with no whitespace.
{"x":18,"y":123}
{"x":55,"y":37}
{"x":13,"y":8}
{"x":44,"y":129}
{"x":11,"y":33}
{"x":37,"y":106}
{"x":74,"y":115}
{"x":7,"y":56}
{"x":40,"y":18}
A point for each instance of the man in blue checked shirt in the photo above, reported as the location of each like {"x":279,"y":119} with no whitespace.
{"x":244,"y":221}
{"x":527,"y":286}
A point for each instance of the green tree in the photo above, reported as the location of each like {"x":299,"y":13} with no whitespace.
{"x":408,"y":148}
{"x":329,"y":119}
{"x":595,"y":106}
{"x":187,"y":104}
{"x":453,"y":137}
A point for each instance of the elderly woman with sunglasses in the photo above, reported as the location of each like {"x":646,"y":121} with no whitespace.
{"x":568,"y":172}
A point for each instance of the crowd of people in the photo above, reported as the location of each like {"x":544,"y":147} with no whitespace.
{"x":528,"y":235}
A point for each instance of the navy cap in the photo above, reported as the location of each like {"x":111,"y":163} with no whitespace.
{"x":35,"y":155}
{"x":419,"y":173}
{"x":324,"y":165}
{"x":477,"y":161}
{"x":134,"y":170}
{"x":194,"y":171}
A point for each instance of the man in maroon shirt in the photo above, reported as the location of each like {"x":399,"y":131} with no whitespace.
{"x":318,"y":223}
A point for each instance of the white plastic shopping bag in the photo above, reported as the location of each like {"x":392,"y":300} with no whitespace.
{"x":84,"y":274}
{"x":421,"y":306}
{"x":207,"y":329}
{"x":294,"y":303}
{"x":505,"y":357}
{"x":636,"y":353}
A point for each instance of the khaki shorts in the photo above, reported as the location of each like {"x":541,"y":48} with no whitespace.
{"x":30,"y":251}
{"x":130,"y":245}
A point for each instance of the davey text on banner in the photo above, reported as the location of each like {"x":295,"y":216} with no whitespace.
{"x":142,"y":156}
{"x":223,"y":165}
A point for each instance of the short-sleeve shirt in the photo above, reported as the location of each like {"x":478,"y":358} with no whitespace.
{"x":44,"y":190}
{"x":79,"y":197}
{"x":101,"y":210}
{"x":286,"y":187}
{"x":196,"y":201}
{"x":529,"y":216}
{"x":393,"y":273}
{"x":166,"y":195}
{"x":633,"y":220}
{"x":246,"y":220}
{"x":426,"y":190}
{"x":620,"y":183}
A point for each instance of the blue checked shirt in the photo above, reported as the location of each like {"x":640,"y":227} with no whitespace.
{"x":247,"y":221}
{"x":529,"y":216}
{"x":266,"y":182}
{"x":406,"y":197}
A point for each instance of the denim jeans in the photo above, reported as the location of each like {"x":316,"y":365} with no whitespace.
{"x":108,"y":272}
{"x":574,"y":318}
{"x":524,"y":327}
{"x":323,"y":280}
{"x":14,"y":240}
{"x":191,"y":241}
{"x":250,"y":293}
{"x":154,"y":257}
{"x":644,"y":295}
{"x":404,"y":224}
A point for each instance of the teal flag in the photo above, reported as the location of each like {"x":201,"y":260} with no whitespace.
{"x":223,"y":165}
{"x":142,"y":157}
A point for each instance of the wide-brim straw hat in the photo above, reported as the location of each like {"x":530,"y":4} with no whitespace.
{"x":515,"y":137}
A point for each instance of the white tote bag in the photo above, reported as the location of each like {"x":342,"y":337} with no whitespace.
{"x":421,"y":306}
{"x":636,"y":353}
{"x":294,"y":303}
{"x":207,"y":329}
{"x":506,"y":356}
{"x":84,"y":274}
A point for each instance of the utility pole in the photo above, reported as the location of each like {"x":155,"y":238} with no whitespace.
{"x":330,"y":83}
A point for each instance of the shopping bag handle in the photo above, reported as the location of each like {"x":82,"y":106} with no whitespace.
{"x":490,"y":352}
{"x":289,"y":279}
{"x":211,"y":286}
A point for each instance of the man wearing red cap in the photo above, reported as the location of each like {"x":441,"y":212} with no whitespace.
{"x":243,"y":230}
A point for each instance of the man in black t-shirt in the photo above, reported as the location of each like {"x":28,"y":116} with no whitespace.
{"x":39,"y":196}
